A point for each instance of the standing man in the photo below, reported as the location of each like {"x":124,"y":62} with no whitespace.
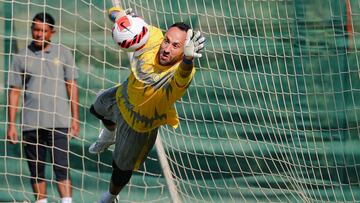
{"x":161,"y":72}
{"x":45,"y":72}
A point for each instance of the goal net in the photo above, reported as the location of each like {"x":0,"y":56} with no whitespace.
{"x":271,"y":115}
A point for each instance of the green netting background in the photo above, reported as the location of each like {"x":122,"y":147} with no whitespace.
{"x":271,"y":116}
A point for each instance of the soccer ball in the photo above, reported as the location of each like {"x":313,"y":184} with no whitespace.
{"x":130,"y":33}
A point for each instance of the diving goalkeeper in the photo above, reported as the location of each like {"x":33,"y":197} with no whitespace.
{"x":132,"y":112}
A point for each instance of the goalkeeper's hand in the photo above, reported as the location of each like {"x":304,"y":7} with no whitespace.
{"x":194,"y":44}
{"x":118,"y":12}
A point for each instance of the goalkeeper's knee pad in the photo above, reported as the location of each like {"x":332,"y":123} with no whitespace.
{"x":119,"y":177}
{"x":97,"y":115}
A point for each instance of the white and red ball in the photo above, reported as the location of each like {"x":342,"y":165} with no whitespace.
{"x":130,"y":33}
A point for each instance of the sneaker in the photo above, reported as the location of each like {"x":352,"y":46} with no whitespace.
{"x":106,"y":139}
{"x":107,"y":198}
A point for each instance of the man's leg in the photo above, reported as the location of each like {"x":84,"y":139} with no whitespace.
{"x":119,"y":179}
{"x":35,"y":152}
{"x":39,"y":189}
{"x":60,"y":151}
{"x":64,"y":188}
{"x":105,"y":109}
{"x":107,"y":135}
{"x":130,"y":151}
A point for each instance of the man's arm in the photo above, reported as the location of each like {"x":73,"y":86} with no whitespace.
{"x":74,"y":101}
{"x":186,"y":66}
{"x":193,"y":47}
{"x":14,"y":94}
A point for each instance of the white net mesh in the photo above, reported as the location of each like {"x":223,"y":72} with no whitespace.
{"x":271,"y":115}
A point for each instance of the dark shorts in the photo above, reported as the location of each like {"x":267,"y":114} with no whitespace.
{"x":36,"y":145}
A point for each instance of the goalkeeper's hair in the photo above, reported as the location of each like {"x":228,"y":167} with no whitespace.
{"x":44,"y":17}
{"x":181,"y":25}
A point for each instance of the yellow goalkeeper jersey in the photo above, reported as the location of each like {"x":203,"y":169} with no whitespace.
{"x":146,"y":99}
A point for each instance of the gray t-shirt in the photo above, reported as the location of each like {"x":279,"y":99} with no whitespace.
{"x":42,"y":76}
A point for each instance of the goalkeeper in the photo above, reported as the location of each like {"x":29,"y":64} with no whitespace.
{"x":161,"y":71}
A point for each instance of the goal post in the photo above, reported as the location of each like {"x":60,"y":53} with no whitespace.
{"x":272,"y":114}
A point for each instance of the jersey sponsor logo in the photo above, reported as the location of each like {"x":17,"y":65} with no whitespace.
{"x":123,"y":23}
{"x":56,"y":61}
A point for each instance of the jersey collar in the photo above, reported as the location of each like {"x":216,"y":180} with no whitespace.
{"x":35,"y":50}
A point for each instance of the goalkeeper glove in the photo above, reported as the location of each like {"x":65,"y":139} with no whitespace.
{"x":194,"y":44}
{"x":117,"y":12}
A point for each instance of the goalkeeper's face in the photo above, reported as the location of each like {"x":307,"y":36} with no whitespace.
{"x":172,"y":47}
{"x":41,"y":33}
